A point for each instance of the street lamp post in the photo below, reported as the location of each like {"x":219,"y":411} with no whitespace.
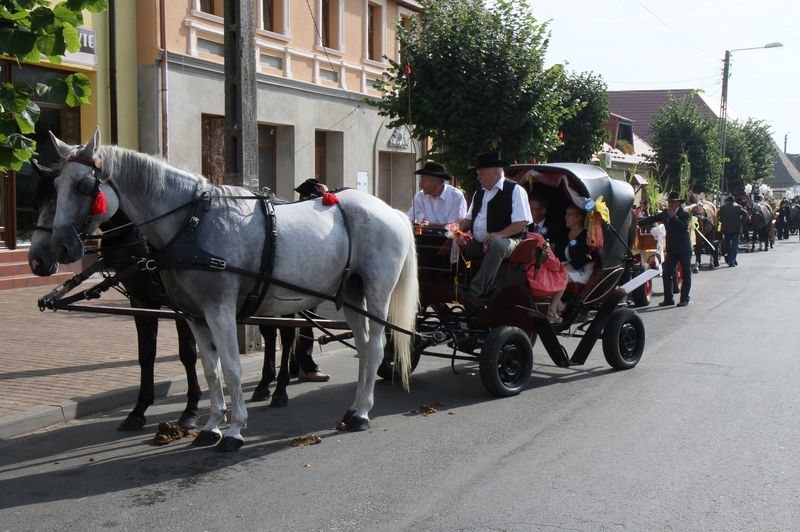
{"x":723,"y":107}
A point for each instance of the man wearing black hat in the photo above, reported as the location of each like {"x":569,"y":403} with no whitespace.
{"x":310,"y":187}
{"x":679,"y":247}
{"x":436,"y":203}
{"x":731,"y":217}
{"x":498,"y":217}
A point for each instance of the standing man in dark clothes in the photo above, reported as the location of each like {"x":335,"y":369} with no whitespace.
{"x":731,"y":217}
{"x":679,"y":247}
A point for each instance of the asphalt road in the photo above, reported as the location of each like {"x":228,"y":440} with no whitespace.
{"x":699,"y":436}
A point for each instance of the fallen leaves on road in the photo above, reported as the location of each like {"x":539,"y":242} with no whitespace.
{"x":304,"y":441}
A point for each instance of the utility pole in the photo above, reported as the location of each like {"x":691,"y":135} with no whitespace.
{"x":723,"y":114}
{"x":241,"y":128}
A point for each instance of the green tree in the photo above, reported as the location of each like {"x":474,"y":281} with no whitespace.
{"x":762,"y":148}
{"x":681,"y":129}
{"x":477,"y":81}
{"x":583,"y":133}
{"x":28,"y":30}
{"x":738,"y":163}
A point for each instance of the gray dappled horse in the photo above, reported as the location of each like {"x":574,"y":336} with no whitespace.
{"x":121,"y":247}
{"x":312,"y":244}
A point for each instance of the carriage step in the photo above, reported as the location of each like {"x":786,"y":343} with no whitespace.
{"x":25,"y":281}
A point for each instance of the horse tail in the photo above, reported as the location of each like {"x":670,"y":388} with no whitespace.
{"x":404,"y":304}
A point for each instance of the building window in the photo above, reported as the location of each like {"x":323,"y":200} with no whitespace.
{"x":374,"y":32}
{"x":267,"y":156}
{"x":319,"y":156}
{"x":268,"y":15}
{"x":329,"y":19}
{"x":208,"y":6}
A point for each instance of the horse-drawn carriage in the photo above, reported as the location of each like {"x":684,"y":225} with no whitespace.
{"x":501,"y":335}
{"x":372,"y":281}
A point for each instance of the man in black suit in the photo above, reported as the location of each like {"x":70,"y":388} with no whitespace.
{"x":553,"y":231}
{"x":679,"y":247}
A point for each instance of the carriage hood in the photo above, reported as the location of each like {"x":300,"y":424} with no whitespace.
{"x":579,"y":182}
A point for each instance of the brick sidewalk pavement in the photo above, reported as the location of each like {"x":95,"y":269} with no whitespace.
{"x":51,"y":358}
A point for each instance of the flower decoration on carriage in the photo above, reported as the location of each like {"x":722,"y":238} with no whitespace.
{"x":596,"y":213}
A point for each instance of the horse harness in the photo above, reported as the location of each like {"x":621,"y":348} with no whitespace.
{"x":183,"y":251}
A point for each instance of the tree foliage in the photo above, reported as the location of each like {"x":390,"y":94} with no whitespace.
{"x":681,"y":129}
{"x":738,"y":162}
{"x":583,"y":133}
{"x":477,"y":81}
{"x":761,"y":147}
{"x":28,"y":30}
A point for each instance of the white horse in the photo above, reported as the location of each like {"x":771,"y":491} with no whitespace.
{"x":312,"y":249}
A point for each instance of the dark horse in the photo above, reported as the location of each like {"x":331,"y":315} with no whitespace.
{"x":759,"y":223}
{"x":120,"y":249}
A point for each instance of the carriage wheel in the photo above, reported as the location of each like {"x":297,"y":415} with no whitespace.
{"x":506,"y":361}
{"x":623,"y":339}
{"x":387,"y":369}
{"x":641,"y":295}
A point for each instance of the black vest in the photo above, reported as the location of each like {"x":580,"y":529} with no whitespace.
{"x":500,"y":207}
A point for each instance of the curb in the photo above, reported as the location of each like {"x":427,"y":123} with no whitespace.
{"x":41,"y":417}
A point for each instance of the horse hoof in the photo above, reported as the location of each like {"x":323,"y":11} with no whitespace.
{"x":259,"y":395}
{"x":279,"y":401}
{"x":352,"y":423}
{"x":229,"y":445}
{"x":188,"y":420}
{"x":132,"y":423}
{"x":206,"y":438}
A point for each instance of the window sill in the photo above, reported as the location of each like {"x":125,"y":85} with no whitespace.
{"x":329,"y":51}
{"x":274,"y":35}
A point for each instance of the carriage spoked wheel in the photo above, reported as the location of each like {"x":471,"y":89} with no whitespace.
{"x":623,"y":339}
{"x":506,"y":361}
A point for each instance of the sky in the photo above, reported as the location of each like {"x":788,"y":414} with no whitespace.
{"x":680,"y":44}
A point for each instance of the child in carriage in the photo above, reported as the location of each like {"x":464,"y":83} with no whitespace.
{"x":579,"y":263}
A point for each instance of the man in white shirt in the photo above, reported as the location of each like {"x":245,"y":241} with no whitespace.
{"x":437,"y":203}
{"x":498,"y":217}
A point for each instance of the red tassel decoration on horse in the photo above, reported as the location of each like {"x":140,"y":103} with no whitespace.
{"x":99,"y":205}
{"x":329,"y":198}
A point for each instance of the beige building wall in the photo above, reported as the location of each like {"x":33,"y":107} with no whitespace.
{"x":303,"y":89}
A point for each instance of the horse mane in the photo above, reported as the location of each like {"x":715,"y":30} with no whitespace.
{"x":143,"y":171}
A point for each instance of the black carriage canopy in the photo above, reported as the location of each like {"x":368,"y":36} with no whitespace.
{"x":563,"y":183}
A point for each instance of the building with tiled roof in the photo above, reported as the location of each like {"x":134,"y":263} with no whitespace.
{"x":785,"y":174}
{"x":641,"y":106}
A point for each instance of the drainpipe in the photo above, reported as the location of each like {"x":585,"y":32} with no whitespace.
{"x":164,"y":99}
{"x":112,"y":68}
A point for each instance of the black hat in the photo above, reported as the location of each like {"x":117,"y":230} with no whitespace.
{"x":759,"y":197}
{"x":729,"y":199}
{"x":489,"y":159}
{"x":434,"y":170}
{"x":675,"y":196}
{"x":307,"y":187}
